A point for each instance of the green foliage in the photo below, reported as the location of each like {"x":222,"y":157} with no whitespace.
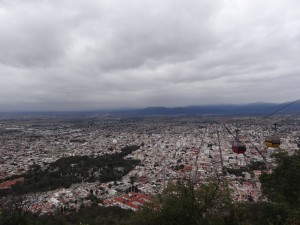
{"x":258,"y":213}
{"x":252,"y":166}
{"x":258,"y":165}
{"x":283,"y":184}
{"x":88,"y":215}
{"x":237,"y":172}
{"x":93,"y":198}
{"x":74,"y":169}
{"x":96,"y":216}
{"x":8,"y":218}
{"x":183,"y":204}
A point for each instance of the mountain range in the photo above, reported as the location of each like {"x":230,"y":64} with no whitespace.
{"x":259,"y":109}
{"x":253,"y":109}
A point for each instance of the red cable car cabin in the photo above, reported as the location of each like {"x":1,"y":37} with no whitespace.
{"x":239,"y":147}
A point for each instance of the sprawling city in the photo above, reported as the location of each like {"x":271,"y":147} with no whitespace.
{"x":153,"y":152}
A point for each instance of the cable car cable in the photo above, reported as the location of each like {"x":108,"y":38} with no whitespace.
{"x":274,"y":140}
{"x":278,"y":110}
{"x":286,"y":118}
{"x":260,"y":153}
{"x":229,"y":131}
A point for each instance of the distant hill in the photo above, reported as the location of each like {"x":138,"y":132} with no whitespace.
{"x":253,"y":109}
{"x":206,"y":110}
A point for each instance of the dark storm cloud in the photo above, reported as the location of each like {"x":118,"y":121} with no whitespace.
{"x":66,"y":55}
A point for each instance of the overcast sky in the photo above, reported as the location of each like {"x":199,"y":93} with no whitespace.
{"x":89,"y":54}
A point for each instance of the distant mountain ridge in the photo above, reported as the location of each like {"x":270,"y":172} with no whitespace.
{"x":224,"y":109}
{"x":251,"y":109}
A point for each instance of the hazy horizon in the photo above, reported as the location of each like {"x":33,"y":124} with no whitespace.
{"x":124,"y":109}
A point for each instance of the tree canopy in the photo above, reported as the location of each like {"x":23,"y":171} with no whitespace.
{"x":283,"y":184}
{"x":183,"y":204}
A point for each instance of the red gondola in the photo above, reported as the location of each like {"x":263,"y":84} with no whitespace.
{"x":238,"y":146}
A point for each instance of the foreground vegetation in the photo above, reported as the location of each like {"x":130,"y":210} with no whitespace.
{"x":85,"y":216}
{"x":183,"y":204}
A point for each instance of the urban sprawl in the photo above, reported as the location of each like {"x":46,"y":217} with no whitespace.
{"x":170,"y":149}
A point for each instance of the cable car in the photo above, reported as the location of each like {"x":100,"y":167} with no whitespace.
{"x":238,"y":146}
{"x":274,"y":140}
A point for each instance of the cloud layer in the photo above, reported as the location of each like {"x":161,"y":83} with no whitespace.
{"x":77,"y":55}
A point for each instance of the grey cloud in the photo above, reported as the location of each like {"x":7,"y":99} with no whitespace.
{"x":30,"y":37}
{"x":63,"y":54}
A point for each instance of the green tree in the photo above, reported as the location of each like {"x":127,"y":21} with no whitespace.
{"x":257,"y":214}
{"x":283,"y":184}
{"x":183,"y":204}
